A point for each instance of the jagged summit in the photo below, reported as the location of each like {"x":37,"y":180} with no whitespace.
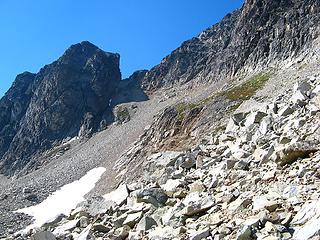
{"x":80,"y":53}
{"x":21,"y":82}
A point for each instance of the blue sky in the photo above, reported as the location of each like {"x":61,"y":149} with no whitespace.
{"x":37,"y":32}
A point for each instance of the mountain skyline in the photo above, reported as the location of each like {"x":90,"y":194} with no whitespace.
{"x":218,"y":140}
{"x":38,"y":33}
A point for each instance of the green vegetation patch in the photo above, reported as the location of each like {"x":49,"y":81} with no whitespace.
{"x":247,"y":89}
{"x":219,"y":129}
{"x":237,"y":94}
{"x":234,"y":107}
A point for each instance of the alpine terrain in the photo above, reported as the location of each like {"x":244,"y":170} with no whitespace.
{"x":221,"y":140}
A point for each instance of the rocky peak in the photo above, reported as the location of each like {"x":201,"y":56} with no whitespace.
{"x":85,"y":53}
{"x":68,"y":97}
{"x":21,"y":84}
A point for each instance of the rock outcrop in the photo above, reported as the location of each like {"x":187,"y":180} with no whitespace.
{"x":261,"y":33}
{"x":68,"y":97}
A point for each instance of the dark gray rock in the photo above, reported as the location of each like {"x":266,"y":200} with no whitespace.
{"x":157,"y":193}
{"x":13,"y":107}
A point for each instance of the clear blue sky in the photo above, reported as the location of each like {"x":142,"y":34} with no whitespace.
{"x":37,"y":32}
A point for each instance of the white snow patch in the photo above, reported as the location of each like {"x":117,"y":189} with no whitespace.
{"x":63,"y":200}
{"x":71,"y":140}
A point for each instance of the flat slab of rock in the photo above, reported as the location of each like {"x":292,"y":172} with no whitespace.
{"x":289,"y":154}
{"x":196,"y":203}
{"x":165,"y":159}
{"x":132,"y":219}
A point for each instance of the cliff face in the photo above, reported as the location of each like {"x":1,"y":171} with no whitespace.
{"x":261,"y":33}
{"x":13,"y":107}
{"x":66,"y":98}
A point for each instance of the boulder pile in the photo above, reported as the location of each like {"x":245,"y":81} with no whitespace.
{"x":258,"y":179}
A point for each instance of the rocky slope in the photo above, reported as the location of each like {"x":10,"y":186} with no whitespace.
{"x":195,"y":172}
{"x":257,"y":179}
{"x":261,"y":33}
{"x":67,"y":98}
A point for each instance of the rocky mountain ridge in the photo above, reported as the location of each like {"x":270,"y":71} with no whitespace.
{"x":190,"y":175}
{"x":13,"y":108}
{"x":259,"y":35}
{"x":262,"y":33}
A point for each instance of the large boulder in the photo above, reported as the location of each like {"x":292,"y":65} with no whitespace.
{"x":156,"y":194}
{"x":290,"y":153}
{"x":172,"y":186}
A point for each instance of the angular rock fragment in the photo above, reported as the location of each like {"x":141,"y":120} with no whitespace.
{"x":146,"y":223}
{"x":289,"y":154}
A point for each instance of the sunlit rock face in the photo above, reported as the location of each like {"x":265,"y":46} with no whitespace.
{"x":261,"y":33}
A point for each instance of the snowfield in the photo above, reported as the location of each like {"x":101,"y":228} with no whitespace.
{"x":63,"y":200}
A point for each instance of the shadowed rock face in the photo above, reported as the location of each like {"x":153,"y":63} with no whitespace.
{"x":67,"y":96}
{"x":13,"y":107}
{"x":262,"y":32}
